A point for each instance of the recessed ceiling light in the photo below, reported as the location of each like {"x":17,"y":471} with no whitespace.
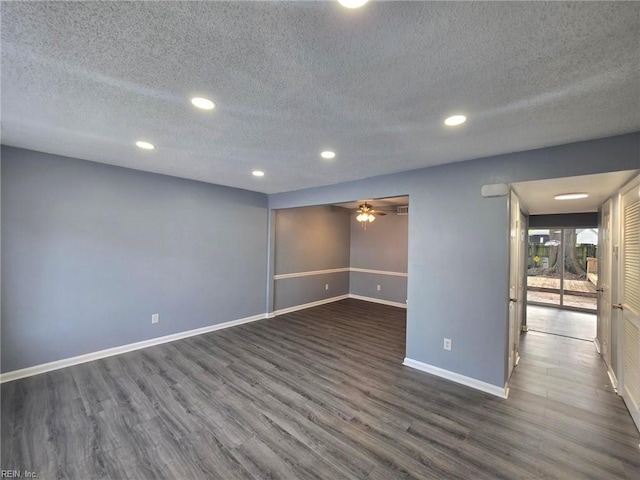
{"x":455,"y":120}
{"x":203,"y":103}
{"x":352,"y":3}
{"x":328,"y":155}
{"x":571,"y":196}
{"x":145,"y":145}
{"x":258,"y":173}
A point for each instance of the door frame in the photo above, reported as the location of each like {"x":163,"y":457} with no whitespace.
{"x":516,"y":302}
{"x":605,"y":284}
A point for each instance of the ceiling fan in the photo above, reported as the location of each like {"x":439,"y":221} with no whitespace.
{"x":366,"y":214}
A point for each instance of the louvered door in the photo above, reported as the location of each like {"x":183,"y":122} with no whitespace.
{"x":630,"y":295}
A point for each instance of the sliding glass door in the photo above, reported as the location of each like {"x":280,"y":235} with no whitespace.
{"x":562,"y":268}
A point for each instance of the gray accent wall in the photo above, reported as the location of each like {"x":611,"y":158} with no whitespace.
{"x":454,"y":291}
{"x":90,"y":252}
{"x":310,"y":239}
{"x":392,"y":289}
{"x":291,"y":292}
{"x":382,"y":246}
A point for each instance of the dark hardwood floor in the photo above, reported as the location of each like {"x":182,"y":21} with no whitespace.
{"x":317,"y":394}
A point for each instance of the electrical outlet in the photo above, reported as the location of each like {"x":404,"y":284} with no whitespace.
{"x":447,"y":344}
{"x":378,"y":287}
{"x":155,"y":318}
{"x":326,"y":286}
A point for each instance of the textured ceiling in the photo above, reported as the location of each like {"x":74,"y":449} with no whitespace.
{"x":537,"y":196}
{"x":291,"y":79}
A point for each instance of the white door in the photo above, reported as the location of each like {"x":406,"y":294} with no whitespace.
{"x":630,"y":297}
{"x":516,"y":287}
{"x":604,"y":283}
{"x":522,"y":277}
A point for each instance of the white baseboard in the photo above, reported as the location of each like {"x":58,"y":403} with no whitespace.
{"x":596,"y":342}
{"x":67,"y":362}
{"x":632,"y":406}
{"x":378,"y":300}
{"x":295,"y":308}
{"x":502,"y":392}
{"x":612,"y":377}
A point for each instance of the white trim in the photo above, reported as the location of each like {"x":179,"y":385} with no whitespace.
{"x":109,"y":352}
{"x":596,"y":342}
{"x":379,"y":272}
{"x":282,"y":276}
{"x":295,"y":308}
{"x":378,"y":300}
{"x":612,"y":378}
{"x":502,"y":392}
{"x":307,"y":274}
{"x":632,"y":406}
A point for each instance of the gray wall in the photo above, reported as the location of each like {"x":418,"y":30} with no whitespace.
{"x":310,"y":239}
{"x":454,"y":291}
{"x":90,"y":252}
{"x":382,"y":246}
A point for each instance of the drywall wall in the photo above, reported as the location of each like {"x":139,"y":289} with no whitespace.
{"x":381,"y":247}
{"x":310,"y":240}
{"x":454,"y":291}
{"x":90,"y":252}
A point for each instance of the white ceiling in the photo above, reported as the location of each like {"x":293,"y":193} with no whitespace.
{"x":291,"y":79}
{"x":537,"y":196}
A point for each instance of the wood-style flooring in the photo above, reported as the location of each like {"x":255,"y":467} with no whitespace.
{"x":316,"y":394}
{"x":562,"y":322}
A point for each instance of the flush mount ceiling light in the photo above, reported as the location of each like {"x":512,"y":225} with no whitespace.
{"x":455,"y":120}
{"x":366,"y":214}
{"x":258,"y":173}
{"x":203,"y":103}
{"x":571,"y":196}
{"x":145,"y":145}
{"x":328,"y":155}
{"x":352,"y":3}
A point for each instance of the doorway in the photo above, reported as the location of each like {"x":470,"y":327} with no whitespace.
{"x":562,"y":268}
{"x":562,"y":281}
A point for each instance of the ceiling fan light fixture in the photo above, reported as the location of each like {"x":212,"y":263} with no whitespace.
{"x":365,"y":215}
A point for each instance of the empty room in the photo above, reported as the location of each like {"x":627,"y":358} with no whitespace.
{"x":319,"y":240}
